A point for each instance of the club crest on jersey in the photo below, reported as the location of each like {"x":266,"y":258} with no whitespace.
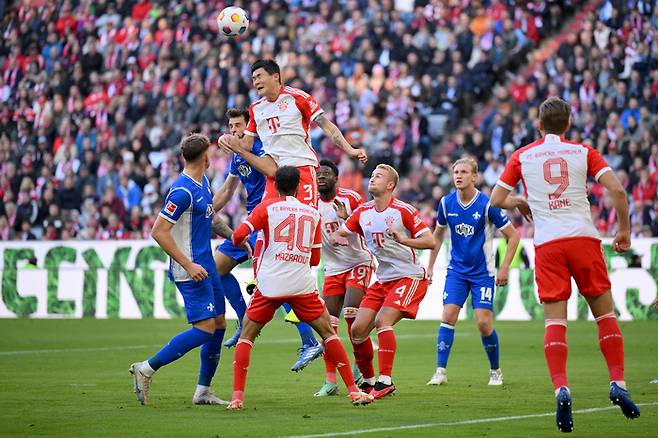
{"x":390,"y":220}
{"x":244,"y":170}
{"x":476,"y":215}
{"x":283,"y":106}
{"x":171,"y":208}
{"x":210,"y":211}
{"x":465,"y":229}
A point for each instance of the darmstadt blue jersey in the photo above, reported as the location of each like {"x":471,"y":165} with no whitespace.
{"x":189,"y":207}
{"x":252,"y":180}
{"x":471,"y":233}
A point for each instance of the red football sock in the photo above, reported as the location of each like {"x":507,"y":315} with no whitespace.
{"x":363,"y":356}
{"x":329,"y":366}
{"x":336,"y":353}
{"x":612,"y":345}
{"x":387,"y":347}
{"x":240,"y":367}
{"x":555,"y":350}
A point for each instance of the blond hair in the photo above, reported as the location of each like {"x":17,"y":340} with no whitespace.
{"x":469,"y":162}
{"x":391,"y":171}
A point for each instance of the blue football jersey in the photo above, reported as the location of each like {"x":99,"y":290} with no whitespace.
{"x":188,"y":206}
{"x":471,"y":233}
{"x":252,"y":180}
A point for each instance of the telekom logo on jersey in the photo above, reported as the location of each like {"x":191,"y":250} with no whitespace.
{"x":273,"y":123}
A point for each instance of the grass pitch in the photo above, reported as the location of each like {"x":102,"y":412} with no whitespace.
{"x":70,"y":378}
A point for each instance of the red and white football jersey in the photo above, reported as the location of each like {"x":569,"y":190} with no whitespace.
{"x":283,"y":126}
{"x":341,"y":258}
{"x":395,"y":260}
{"x":554,"y":174}
{"x":291,"y":230}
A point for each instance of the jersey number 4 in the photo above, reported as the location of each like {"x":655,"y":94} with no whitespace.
{"x":295,"y":232}
{"x":562,"y":178}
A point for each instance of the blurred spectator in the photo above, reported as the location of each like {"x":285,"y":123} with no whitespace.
{"x":95,"y":96}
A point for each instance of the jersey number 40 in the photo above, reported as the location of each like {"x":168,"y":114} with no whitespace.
{"x":295,"y":234}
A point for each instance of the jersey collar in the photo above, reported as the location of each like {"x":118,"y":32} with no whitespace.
{"x":388,"y":205}
{"x":277,"y":95}
{"x":192,"y":179}
{"x":465,"y":206}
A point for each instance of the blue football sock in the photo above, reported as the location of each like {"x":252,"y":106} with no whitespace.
{"x":444,"y":339}
{"x":234,"y":295}
{"x":210,"y":352}
{"x":178,"y":346}
{"x":491,"y":348}
{"x":305,"y":330}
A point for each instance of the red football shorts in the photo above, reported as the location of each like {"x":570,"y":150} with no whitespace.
{"x":356,"y":278}
{"x":308,"y":307}
{"x":404,"y":294}
{"x":307,"y":191}
{"x":578,"y":257}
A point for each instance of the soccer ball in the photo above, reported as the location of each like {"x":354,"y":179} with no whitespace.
{"x":233,"y":21}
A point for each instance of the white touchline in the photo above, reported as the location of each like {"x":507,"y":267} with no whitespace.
{"x":457,"y":423}
{"x":139,"y":347}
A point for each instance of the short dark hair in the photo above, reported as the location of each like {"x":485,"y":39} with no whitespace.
{"x":331,"y":165}
{"x":287,"y":180}
{"x":193,"y":146}
{"x":238,"y":112}
{"x":269,"y":65}
{"x":554,"y":114}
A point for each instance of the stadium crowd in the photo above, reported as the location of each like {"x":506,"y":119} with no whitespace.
{"x":96,"y":95}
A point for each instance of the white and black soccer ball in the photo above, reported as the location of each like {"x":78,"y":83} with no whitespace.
{"x":233,"y":21}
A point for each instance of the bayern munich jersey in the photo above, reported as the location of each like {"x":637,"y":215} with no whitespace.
{"x":188,"y":206}
{"x":554,"y":174}
{"x":252,"y":180}
{"x":292,"y":230}
{"x":471,"y":233}
{"x":283,"y":126}
{"x":395,"y":260}
{"x":341,"y":258}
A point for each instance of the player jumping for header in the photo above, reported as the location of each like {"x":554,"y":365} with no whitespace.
{"x":554,"y":174}
{"x":281,"y":118}
{"x":471,"y":218}
{"x":393,"y":230}
{"x":229,"y":256}
{"x":292,"y":246}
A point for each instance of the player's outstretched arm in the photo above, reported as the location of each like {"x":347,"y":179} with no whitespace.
{"x":337,"y":137}
{"x":225,"y":192}
{"x":513,"y":239}
{"x":438,"y":239}
{"x":256,"y":221}
{"x":622,"y":240}
{"x":161,"y":233}
{"x":243,"y":147}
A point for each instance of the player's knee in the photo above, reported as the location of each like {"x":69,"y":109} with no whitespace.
{"x":206,"y":325}
{"x":485,"y":326}
{"x":359,"y":334}
{"x":450,"y":319}
{"x":220,"y":322}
